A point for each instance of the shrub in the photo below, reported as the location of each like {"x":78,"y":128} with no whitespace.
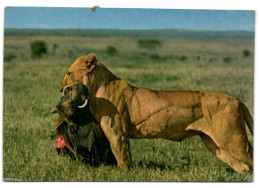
{"x":111,"y":50}
{"x":182,"y":58}
{"x":227,"y":59}
{"x":9,"y":57}
{"x":149,"y":43}
{"x":156,"y":57}
{"x":38,"y":48}
{"x":246,"y":53}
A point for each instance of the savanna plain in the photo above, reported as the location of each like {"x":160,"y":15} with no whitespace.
{"x":31,"y":89}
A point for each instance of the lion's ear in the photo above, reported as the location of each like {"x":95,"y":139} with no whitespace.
{"x":91,"y":62}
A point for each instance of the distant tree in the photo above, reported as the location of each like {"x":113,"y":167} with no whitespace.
{"x":111,"y":50}
{"x":246,"y":53}
{"x":38,"y":48}
{"x":227,"y":59}
{"x":183,"y":58}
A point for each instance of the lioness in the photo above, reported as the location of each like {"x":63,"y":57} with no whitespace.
{"x":130,"y":112}
{"x":78,"y":134}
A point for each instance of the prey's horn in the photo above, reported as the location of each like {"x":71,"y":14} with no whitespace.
{"x":84,"y":105}
{"x":64,"y":89}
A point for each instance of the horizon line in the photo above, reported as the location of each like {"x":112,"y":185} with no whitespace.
{"x":129,"y":29}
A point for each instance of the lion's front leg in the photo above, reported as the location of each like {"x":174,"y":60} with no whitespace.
{"x":119,"y":141}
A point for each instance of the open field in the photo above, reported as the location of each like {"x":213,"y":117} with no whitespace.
{"x":31,"y":89}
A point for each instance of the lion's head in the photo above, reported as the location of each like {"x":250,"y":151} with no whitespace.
{"x":87,"y":70}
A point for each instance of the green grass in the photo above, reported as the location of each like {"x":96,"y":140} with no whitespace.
{"x":31,"y":89}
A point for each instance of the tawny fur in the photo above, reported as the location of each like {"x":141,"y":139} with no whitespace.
{"x":130,"y":112}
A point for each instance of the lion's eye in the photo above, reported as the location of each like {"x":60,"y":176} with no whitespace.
{"x":68,"y":73}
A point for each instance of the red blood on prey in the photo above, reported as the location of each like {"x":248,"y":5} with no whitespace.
{"x":60,"y":143}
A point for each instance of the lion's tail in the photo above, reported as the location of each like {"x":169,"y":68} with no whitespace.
{"x":248,"y":118}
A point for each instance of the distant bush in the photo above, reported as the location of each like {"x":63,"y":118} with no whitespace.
{"x":149,"y":43}
{"x":38,"y":48}
{"x":182,"y":58}
{"x":198,"y":57}
{"x":156,"y":57}
{"x":227,"y":59}
{"x":111,"y":50}
{"x":9,"y":57}
{"x":246,"y":53}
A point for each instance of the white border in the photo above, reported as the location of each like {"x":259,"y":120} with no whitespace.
{"x":166,"y":4}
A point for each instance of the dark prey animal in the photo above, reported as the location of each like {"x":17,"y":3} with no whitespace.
{"x":78,"y":134}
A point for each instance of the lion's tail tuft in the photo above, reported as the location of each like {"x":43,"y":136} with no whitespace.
{"x":248,"y":118}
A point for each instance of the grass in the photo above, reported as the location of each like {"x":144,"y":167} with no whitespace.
{"x":31,"y":90}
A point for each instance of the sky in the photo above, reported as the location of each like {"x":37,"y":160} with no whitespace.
{"x":127,"y":18}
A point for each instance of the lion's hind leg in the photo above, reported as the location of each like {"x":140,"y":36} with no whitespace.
{"x":234,"y":150}
{"x":224,"y":155}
